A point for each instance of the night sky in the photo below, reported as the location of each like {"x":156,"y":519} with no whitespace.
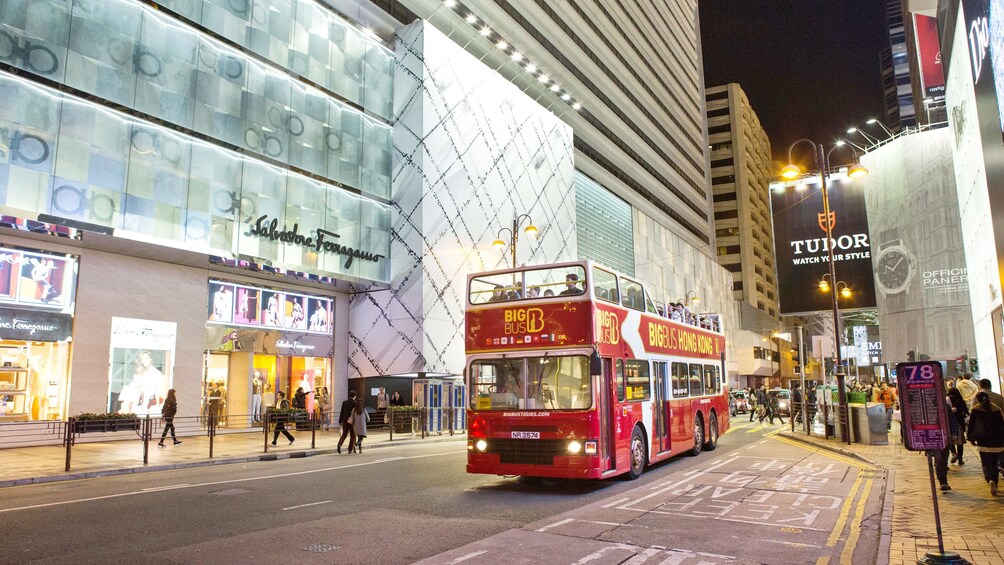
{"x":809,"y":67}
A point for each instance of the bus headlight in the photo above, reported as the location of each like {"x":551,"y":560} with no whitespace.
{"x":590,"y":448}
{"x":574,"y":447}
{"x":481,"y":445}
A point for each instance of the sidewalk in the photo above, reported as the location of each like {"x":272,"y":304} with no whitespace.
{"x":30,"y":465}
{"x":970,"y":518}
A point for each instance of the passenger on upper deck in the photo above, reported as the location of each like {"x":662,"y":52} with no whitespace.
{"x":498,"y":295}
{"x":572,"y":284}
{"x":677,"y":314}
{"x":533,"y":292}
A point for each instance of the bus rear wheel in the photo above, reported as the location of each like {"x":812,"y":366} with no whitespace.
{"x":698,"y":436}
{"x":637,"y":464}
{"x":712,"y":433}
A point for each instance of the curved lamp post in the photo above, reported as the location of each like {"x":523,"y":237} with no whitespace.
{"x":791,"y":171}
{"x":530,"y":230}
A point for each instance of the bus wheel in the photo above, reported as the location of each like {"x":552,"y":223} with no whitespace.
{"x":637,"y":454}
{"x":712,"y":432}
{"x":698,"y":436}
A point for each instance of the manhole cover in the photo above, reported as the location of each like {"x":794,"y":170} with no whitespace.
{"x":230,"y":491}
{"x":321,"y":548}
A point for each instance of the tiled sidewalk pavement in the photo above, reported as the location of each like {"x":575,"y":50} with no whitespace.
{"x":970,"y":517}
{"x":25,"y":465}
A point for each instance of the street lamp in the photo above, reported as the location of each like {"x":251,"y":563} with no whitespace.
{"x":791,"y":171}
{"x":874,"y":121}
{"x":842,"y":288}
{"x":691,"y":297}
{"x":530,"y":230}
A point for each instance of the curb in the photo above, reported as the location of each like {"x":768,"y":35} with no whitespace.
{"x":842,"y":451}
{"x":885,"y":523}
{"x":209,"y":462}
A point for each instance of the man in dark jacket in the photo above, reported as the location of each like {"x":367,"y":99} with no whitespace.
{"x":344,"y":416}
{"x":995,"y":398}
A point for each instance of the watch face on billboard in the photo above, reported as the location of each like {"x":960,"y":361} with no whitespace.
{"x":802,"y":249}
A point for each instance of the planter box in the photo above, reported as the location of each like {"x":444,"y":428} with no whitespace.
{"x":88,"y":426}
{"x":406,"y":421}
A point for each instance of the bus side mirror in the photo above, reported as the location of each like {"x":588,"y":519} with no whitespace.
{"x":595,"y":364}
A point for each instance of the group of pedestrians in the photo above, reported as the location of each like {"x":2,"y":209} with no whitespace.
{"x":976,"y":416}
{"x":764,"y":404}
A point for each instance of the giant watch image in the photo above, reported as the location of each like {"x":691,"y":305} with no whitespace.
{"x":895,"y":267}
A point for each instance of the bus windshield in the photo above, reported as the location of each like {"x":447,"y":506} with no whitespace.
{"x":531,"y":383}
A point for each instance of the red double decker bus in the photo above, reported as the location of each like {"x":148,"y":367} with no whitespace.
{"x":574,"y":371}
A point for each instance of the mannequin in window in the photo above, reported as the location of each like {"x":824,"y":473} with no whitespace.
{"x":256,"y":396}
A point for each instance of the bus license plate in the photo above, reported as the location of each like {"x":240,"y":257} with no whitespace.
{"x":526,"y":435}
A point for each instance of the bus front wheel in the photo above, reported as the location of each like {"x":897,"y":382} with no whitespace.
{"x":637,"y":463}
{"x":712,"y":433}
{"x":698,"y":436}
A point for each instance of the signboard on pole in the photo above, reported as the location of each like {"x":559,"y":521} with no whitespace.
{"x":922,"y":402}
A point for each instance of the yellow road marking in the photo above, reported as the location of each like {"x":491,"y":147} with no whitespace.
{"x":844,"y":513}
{"x":832,"y":455}
{"x":847,"y":555}
{"x":823,"y":561}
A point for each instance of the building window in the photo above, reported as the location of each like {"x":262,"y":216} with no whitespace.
{"x":724,"y":214}
{"x":720,"y":129}
{"x":733,"y":267}
{"x":718,"y":112}
{"x":727,"y":232}
{"x":726,"y":179}
{"x":724,"y":197}
{"x":722,"y":162}
{"x":728,"y":249}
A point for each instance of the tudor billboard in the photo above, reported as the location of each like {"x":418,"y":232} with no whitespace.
{"x":801,"y":248}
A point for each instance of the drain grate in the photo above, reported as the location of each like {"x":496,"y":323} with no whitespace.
{"x":321,"y":548}
{"x":230,"y":491}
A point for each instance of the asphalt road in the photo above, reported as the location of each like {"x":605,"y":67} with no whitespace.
{"x":757,"y":499}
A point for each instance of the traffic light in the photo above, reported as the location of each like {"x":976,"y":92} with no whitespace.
{"x":911,"y":356}
{"x":959,"y":363}
{"x":925,"y":357}
{"x":973,"y":366}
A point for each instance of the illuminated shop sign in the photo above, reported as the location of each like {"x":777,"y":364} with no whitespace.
{"x":234,"y":304}
{"x":321,"y":241}
{"x":34,"y":325}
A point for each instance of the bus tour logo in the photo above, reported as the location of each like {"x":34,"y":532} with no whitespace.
{"x":607,"y":327}
{"x":523,"y":321}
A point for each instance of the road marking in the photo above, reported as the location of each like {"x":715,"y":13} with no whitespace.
{"x":308,"y":504}
{"x":213,"y":483}
{"x":642,"y":557}
{"x":823,"y":561}
{"x":616,"y":502}
{"x":844,"y":513}
{"x":829,"y":454}
{"x":673,"y":485}
{"x":166,"y":487}
{"x":556,"y":524}
{"x":463,"y":558}
{"x":852,"y":541}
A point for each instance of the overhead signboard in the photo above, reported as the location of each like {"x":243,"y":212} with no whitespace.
{"x":802,"y":250}
{"x":929,"y":54}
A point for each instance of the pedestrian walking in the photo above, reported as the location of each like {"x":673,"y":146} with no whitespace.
{"x":796,"y":403}
{"x":280,"y":424}
{"x":325,"y":400}
{"x":361,"y":418}
{"x":168,"y":412}
{"x":762,"y":403}
{"x":751,"y":399}
{"x":986,"y":431}
{"x":994,"y":397}
{"x":968,"y":389}
{"x":959,"y":414}
{"x":887,"y":396}
{"x":774,"y":407}
{"x":346,"y":421}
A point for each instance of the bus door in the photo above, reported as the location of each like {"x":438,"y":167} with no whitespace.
{"x":661,"y":436}
{"x":608,"y":459}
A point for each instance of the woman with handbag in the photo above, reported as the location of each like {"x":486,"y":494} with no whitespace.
{"x":986,"y":431}
{"x":167,"y":412}
{"x":960,"y":410}
{"x":347,"y":422}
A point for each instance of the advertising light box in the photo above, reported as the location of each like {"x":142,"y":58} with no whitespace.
{"x":801,"y":248}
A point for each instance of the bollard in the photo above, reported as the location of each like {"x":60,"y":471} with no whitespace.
{"x":391,"y":419}
{"x":69,"y":440}
{"x":147,"y":430}
{"x":212,"y":432}
{"x":424,"y":416}
{"x":264,"y":426}
{"x":313,"y":430}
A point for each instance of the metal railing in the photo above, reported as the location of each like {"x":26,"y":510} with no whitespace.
{"x":103,"y":439}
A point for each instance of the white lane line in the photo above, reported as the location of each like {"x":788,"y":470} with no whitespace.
{"x":166,"y":487}
{"x":308,"y":504}
{"x":214,"y":483}
{"x":671,"y":486}
{"x":556,"y":524}
{"x":642,"y":557}
{"x":616,"y":502}
{"x":463,"y":558}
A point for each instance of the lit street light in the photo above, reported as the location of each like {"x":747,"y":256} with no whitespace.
{"x":791,"y":171}
{"x":530,"y":230}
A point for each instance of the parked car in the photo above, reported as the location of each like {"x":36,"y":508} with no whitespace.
{"x":740,"y":401}
{"x":783,"y":400}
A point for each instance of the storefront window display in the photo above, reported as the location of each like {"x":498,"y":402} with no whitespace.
{"x":261,"y":341}
{"x":36,"y":319}
{"x":141,"y":365}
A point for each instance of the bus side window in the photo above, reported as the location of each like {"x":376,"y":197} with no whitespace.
{"x":696,"y":380}
{"x":619,"y":378}
{"x":710,"y":380}
{"x":638,"y":384}
{"x":680,"y":387}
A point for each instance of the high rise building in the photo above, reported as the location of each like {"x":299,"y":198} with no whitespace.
{"x":740,"y":178}
{"x":896,"y":79}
